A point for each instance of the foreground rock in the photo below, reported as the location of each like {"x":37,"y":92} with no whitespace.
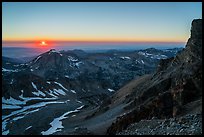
{"x":186,"y":125}
{"x":171,"y":91}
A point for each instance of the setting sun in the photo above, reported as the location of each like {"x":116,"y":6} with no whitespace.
{"x":43,"y":43}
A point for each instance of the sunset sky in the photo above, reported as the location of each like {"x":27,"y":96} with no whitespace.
{"x":65,"y":22}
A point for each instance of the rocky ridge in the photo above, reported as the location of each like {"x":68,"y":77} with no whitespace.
{"x":176,"y":84}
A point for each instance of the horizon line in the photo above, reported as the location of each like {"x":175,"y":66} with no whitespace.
{"x":86,"y":41}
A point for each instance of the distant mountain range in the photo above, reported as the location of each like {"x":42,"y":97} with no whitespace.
{"x":25,"y":54}
{"x":74,"y":75}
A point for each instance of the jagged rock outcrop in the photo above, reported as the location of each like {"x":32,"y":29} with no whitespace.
{"x":176,"y":83}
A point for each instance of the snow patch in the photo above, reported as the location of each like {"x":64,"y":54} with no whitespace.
{"x":17,"y":118}
{"x":5,"y":106}
{"x":152,"y":56}
{"x":8,"y":70}
{"x":164,"y":56}
{"x":24,"y":111}
{"x":111,"y":90}
{"x":5,"y":132}
{"x":4,"y":123}
{"x":37,"y":93}
{"x":57,"y":123}
{"x":67,"y":101}
{"x":12,"y":101}
{"x":53,"y":51}
{"x":37,"y":58}
{"x":15,"y":65}
{"x":73,"y":91}
{"x":33,"y":98}
{"x":24,"y":114}
{"x":77,"y":64}
{"x":28,"y":127}
{"x":59,"y":91}
{"x":25,"y":108}
{"x":78,"y":101}
{"x":125,"y":57}
{"x":60,"y":85}
{"x":70,"y":58}
{"x":11,"y":81}
{"x":51,"y":93}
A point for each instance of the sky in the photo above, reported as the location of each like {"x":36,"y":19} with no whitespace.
{"x":116,"y":23}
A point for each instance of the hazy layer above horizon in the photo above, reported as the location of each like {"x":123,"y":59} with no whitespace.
{"x":21,"y":52}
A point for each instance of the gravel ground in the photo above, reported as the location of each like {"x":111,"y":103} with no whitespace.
{"x":190,"y":124}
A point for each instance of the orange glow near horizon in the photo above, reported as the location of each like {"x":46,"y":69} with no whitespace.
{"x":44,"y":43}
{"x":102,"y":39}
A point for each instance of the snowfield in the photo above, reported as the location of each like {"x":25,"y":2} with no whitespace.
{"x":57,"y":123}
{"x":21,"y":113}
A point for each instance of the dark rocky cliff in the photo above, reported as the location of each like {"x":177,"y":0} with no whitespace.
{"x":177,"y":83}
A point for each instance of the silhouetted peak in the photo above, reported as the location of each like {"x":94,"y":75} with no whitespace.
{"x":196,"y":29}
{"x":52,"y":50}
